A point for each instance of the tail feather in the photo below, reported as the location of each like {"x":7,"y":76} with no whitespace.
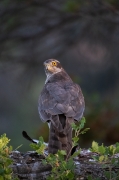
{"x":61,"y":140}
{"x":54,"y":143}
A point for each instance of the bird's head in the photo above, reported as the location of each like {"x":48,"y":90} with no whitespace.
{"x":52,"y":66}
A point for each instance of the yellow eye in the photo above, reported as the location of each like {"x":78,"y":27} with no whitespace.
{"x":54,"y":63}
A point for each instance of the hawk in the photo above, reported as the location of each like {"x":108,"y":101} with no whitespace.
{"x":61,"y":103}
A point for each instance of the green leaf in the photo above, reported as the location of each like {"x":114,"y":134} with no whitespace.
{"x":117,"y":144}
{"x":82,"y":122}
{"x":96,"y":158}
{"x":84,"y":131}
{"x":101,"y":158}
{"x":41,"y":140}
{"x":34,"y":146}
{"x":75,"y":139}
{"x":112,"y":150}
{"x":41,"y":149}
{"x":117,"y":149}
{"x":62,"y":152}
{"x":70,"y":175}
{"x":95,"y":146}
{"x":74,"y":126}
{"x":101,"y":149}
{"x":70,"y":164}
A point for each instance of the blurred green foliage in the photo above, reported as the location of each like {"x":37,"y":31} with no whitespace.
{"x":5,"y":160}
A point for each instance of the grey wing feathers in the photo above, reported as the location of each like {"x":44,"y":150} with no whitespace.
{"x":77,"y":102}
{"x":69,"y":99}
{"x":61,"y":98}
{"x":47,"y":106}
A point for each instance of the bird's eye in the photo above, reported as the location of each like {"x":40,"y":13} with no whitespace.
{"x":54,"y":63}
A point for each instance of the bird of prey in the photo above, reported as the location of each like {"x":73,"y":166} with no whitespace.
{"x":61,"y":103}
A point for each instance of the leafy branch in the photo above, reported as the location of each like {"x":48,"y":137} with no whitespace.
{"x":108,"y":157}
{"x":5,"y":160}
{"x":78,"y":130}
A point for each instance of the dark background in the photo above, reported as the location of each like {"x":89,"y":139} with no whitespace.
{"x":84,"y":37}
